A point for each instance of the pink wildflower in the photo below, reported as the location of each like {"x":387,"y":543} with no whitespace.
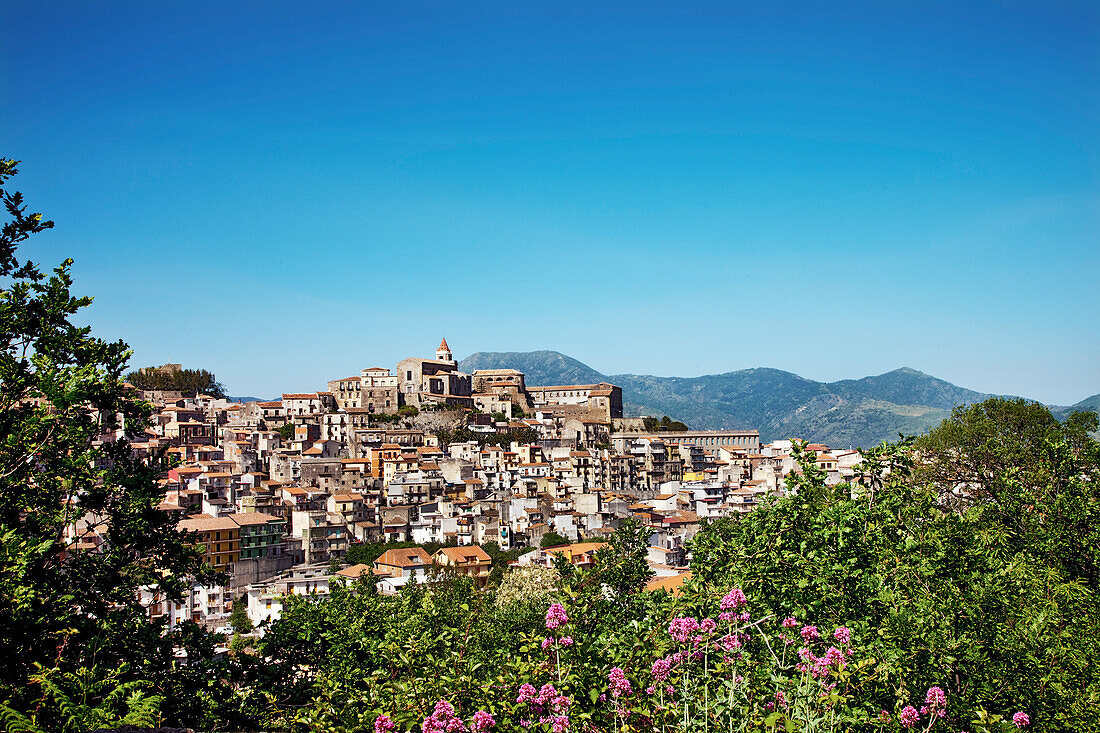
{"x":682,"y":628}
{"x":526,"y":693}
{"x":1021,"y":719}
{"x":619,"y":684}
{"x":909,"y":716}
{"x":560,"y":723}
{"x":383,"y":724}
{"x":566,"y":641}
{"x":733,"y":600}
{"x":547,"y":693}
{"x":790,"y":623}
{"x":661,"y":669}
{"x":547,"y":643}
{"x":809,"y":633}
{"x":707,"y":625}
{"x":556,"y":616}
{"x":843,"y":634}
{"x":443,"y":720}
{"x":482,"y":722}
{"x":935,"y":702}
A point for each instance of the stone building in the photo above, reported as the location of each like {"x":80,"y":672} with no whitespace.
{"x":602,"y":402}
{"x":710,"y":441}
{"x":503,"y":384}
{"x":374,"y":390}
{"x":434,"y":381}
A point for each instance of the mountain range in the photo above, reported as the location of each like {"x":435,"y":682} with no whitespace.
{"x":848,"y":413}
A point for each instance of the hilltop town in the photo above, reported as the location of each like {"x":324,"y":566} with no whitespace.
{"x":279,"y":491}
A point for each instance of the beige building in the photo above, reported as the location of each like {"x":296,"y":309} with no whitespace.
{"x":710,"y":441}
{"x":374,"y":390}
{"x":434,"y":381}
{"x":603,"y":401}
{"x":500,"y":385}
{"x":470,"y":561}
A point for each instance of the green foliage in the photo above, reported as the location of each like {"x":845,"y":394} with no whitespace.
{"x":666,"y":423}
{"x":84,"y":700}
{"x":286,"y":431}
{"x":504,"y":438}
{"x":188,"y":381}
{"x":501,"y":559}
{"x":238,"y":617}
{"x":64,"y":608}
{"x":367,"y":552}
{"x":553,"y":539}
{"x":611,"y":593}
{"x":975,"y":571}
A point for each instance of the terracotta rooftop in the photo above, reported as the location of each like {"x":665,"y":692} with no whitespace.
{"x":469,"y":554}
{"x":405,"y":557}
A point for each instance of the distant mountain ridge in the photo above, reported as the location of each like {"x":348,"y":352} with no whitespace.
{"x":850,"y":412}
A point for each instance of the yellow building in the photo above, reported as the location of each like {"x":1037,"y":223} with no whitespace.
{"x":221,"y":537}
{"x":471,"y":561}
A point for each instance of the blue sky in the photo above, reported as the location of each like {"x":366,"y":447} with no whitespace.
{"x":286,"y":192}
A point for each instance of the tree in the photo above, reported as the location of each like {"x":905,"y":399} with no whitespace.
{"x":668,"y":423}
{"x":286,"y":431}
{"x":238,"y":617}
{"x":992,"y":598}
{"x":80,"y":532}
{"x":188,"y":381}
{"x":553,"y":539}
{"x":1012,"y":462}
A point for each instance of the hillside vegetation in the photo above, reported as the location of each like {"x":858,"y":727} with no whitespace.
{"x":847,"y":413}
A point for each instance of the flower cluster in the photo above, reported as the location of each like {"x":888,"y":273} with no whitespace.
{"x":618,"y":682}
{"x":909,"y":716}
{"x":442,"y":720}
{"x":682,"y":628}
{"x":552,"y":641}
{"x":1021,"y":719}
{"x":383,"y":724}
{"x":663,"y":666}
{"x":834,"y":659}
{"x":556,"y":617}
{"x":730,"y":603}
{"x":546,"y":704}
{"x":935,"y":703}
{"x":481,"y":722}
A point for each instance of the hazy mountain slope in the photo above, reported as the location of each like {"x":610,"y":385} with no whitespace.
{"x":539,"y":367}
{"x":851,"y":412}
{"x":1091,"y":404}
{"x":907,"y":387}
